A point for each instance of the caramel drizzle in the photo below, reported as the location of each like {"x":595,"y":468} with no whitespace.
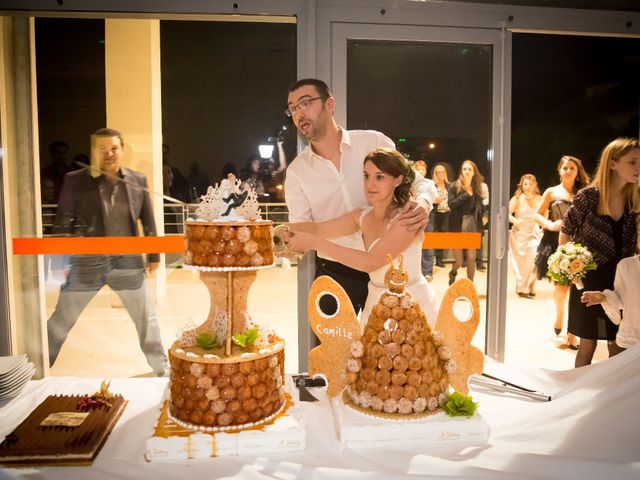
{"x":166,"y":427}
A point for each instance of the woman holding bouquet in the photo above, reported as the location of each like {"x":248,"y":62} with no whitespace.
{"x":554,"y":204}
{"x":603,"y":219}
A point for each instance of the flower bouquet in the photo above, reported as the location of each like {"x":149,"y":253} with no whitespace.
{"x":570,"y":263}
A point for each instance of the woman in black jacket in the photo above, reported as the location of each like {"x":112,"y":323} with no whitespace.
{"x":467,"y":214}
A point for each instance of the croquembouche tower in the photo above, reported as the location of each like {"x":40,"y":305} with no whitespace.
{"x":397,"y":366}
{"x":228,"y":372}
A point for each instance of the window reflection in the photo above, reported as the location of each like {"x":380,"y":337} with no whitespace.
{"x":222,"y":95}
{"x":216,"y":110}
{"x":222,"y":87}
{"x":100,"y":200}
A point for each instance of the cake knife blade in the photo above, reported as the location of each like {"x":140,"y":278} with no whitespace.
{"x":499,"y":385}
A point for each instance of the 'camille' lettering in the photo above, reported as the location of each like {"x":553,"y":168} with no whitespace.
{"x":334,"y":332}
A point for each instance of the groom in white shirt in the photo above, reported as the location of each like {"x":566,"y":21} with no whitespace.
{"x":325,"y":180}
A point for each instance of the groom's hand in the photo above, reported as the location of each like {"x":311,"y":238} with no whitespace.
{"x":415,"y":215}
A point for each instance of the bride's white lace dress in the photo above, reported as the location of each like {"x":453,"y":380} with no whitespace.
{"x":422,"y":292}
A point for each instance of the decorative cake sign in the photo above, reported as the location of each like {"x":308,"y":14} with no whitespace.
{"x":459,"y":334}
{"x":336,"y":331}
{"x":64,"y":419}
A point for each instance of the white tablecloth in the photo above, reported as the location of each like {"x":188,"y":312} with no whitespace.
{"x":590,"y":430}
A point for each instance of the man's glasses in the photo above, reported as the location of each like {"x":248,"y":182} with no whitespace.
{"x":301,"y":106}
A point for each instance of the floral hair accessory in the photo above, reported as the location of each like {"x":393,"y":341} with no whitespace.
{"x":410,"y":176}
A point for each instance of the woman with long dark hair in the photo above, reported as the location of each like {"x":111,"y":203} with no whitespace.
{"x":554,"y":204}
{"x":467,"y":214}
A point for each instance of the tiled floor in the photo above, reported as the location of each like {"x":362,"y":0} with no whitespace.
{"x":103,"y":343}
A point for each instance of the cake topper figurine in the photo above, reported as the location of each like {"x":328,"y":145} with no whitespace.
{"x":396,"y":278}
{"x":241,"y":202}
{"x":235,"y":193}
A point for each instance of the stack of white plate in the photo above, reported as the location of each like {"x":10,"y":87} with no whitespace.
{"x":15,"y":372}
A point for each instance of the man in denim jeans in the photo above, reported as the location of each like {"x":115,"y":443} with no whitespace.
{"x":107,"y":200}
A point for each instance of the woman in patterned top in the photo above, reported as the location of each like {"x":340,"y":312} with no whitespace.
{"x":603,"y":219}
{"x":554,"y":204}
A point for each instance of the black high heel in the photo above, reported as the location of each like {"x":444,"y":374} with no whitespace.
{"x":452,"y":276}
{"x":557,"y":330}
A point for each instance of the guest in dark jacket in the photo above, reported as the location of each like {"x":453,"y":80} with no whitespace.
{"x":104,"y":200}
{"x":467,"y":214}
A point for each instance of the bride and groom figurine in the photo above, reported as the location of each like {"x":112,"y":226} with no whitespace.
{"x":234,"y":193}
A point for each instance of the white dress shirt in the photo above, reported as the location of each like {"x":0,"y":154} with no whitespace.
{"x":315,"y":191}
{"x":625,"y":297}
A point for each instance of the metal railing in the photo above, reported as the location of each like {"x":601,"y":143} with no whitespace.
{"x":175,"y":214}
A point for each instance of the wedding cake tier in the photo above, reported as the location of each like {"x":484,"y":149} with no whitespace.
{"x":221,"y":392}
{"x":224,"y":244}
{"x":173,"y":441}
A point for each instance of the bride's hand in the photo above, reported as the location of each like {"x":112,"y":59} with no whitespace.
{"x":280,"y":248}
{"x":298,"y":241}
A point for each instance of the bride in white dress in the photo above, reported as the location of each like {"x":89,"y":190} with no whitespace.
{"x":387,"y":183}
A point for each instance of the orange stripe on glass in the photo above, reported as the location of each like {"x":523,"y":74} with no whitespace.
{"x":438,"y":240}
{"x":97,"y":245}
{"x":175,"y":244}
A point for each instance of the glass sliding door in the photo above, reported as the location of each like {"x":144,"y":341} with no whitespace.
{"x":435,"y":93}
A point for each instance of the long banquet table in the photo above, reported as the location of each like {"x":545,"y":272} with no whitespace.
{"x":589,"y":430}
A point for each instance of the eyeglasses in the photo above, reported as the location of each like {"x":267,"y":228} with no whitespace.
{"x":301,"y":106}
